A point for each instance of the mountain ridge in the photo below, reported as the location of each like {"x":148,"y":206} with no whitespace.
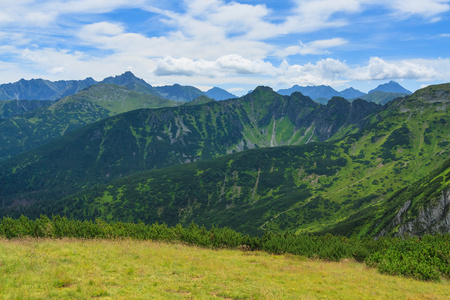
{"x":382,"y":94}
{"x":40,"y":89}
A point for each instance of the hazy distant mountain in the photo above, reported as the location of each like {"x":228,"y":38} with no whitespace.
{"x":219,"y":94}
{"x":351,"y":93}
{"x":40,"y":89}
{"x":179,"y":93}
{"x":314,"y":92}
{"x":322,"y":93}
{"x":391,"y":87}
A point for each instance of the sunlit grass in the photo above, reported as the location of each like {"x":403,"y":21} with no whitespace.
{"x":127,"y":269}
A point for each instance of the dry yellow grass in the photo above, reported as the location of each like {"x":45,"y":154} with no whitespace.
{"x":76,"y":269}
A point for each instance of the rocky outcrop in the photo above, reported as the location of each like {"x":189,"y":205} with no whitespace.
{"x":432,"y":218}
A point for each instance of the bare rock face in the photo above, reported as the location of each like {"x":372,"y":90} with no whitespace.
{"x":433,"y":218}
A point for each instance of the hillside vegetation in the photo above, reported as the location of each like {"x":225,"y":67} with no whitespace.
{"x":344,"y":187}
{"x":12,"y":108}
{"x":146,"y":139}
{"x":351,"y":184}
{"x":22,"y":132}
{"x":425,"y":259}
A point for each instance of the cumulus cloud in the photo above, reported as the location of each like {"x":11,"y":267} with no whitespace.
{"x":169,"y":66}
{"x":380,"y":69}
{"x":227,"y":65}
{"x":235,"y":63}
{"x":325,"y":71}
{"x":203,"y":41}
{"x":426,"y":8}
{"x":314,"y":47}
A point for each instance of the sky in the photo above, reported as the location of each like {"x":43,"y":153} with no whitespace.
{"x":235,"y":45}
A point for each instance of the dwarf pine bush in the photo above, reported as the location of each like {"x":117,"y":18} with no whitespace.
{"x":426,"y":258}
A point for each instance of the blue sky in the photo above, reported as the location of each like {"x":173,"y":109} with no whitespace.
{"x":235,"y":45}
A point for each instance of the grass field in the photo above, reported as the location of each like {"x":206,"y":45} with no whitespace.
{"x":128,"y":269}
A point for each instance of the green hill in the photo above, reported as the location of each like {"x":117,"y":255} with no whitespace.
{"x":28,"y":131}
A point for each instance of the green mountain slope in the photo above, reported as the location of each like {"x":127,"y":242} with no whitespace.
{"x":350,"y":185}
{"x":199,"y":101}
{"x":28,"y":131}
{"x":12,"y":108}
{"x":382,"y":97}
{"x":419,"y":208}
{"x":354,"y":184}
{"x":145,"y":139}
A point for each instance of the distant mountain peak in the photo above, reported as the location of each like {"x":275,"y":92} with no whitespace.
{"x":391,"y":87}
{"x":126,"y":77}
{"x":129,"y":80}
{"x":217,"y":93}
{"x":351,"y":93}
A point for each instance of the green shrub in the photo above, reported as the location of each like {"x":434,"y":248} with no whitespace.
{"x":426,"y":258}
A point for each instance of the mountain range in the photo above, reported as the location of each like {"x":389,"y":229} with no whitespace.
{"x":40,"y":89}
{"x":322,"y":93}
{"x":261,"y":162}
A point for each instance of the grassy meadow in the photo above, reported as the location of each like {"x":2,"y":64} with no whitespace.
{"x":41,"y":268}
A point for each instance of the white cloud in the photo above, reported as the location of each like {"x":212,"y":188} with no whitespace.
{"x":205,"y":42}
{"x":406,"y":69}
{"x":326,"y":71}
{"x":426,"y":8}
{"x":227,"y":65}
{"x":314,"y":47}
{"x":95,"y":30}
{"x":235,"y":63}
{"x":169,"y":66}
